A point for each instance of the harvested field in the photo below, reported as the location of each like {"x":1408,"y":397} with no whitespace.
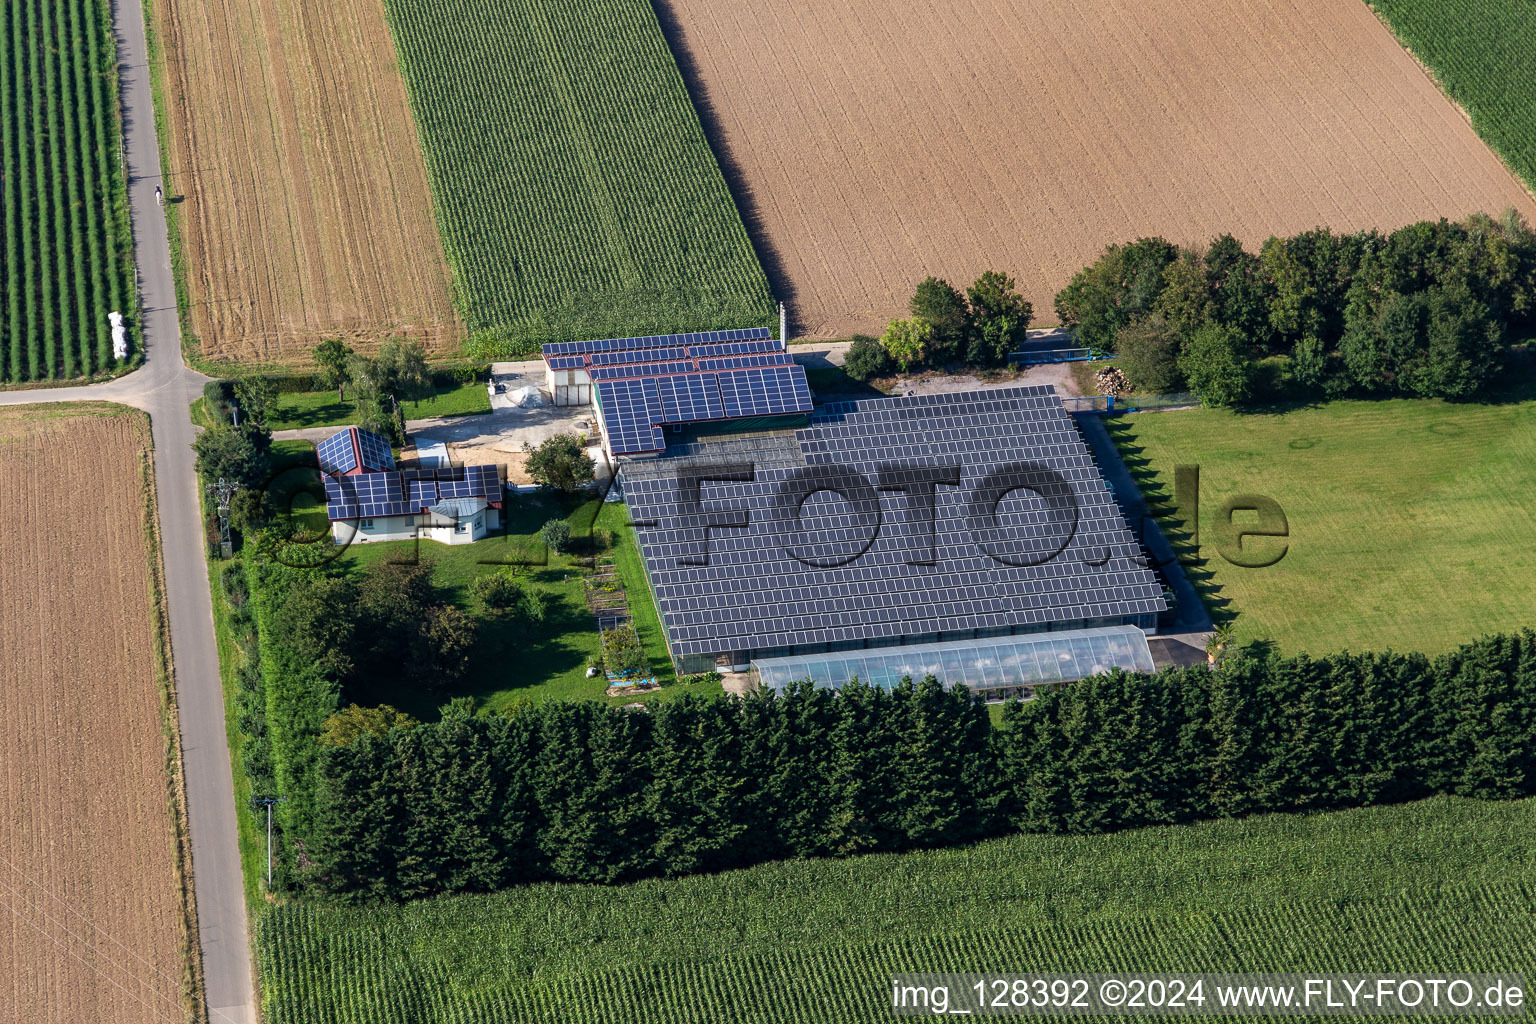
{"x":872,"y":144}
{"x":305,"y":211}
{"x":91,"y":921}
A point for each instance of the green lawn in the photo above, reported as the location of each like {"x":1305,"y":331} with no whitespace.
{"x":536,"y":661}
{"x":1480,"y":50}
{"x":296,"y":410}
{"x":1437,"y":885}
{"x":1412,"y":522}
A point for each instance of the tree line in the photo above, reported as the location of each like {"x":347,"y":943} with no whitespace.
{"x":583,"y":792}
{"x":1431,"y":310}
{"x":978,"y":328}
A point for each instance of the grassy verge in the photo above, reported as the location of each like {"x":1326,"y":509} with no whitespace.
{"x":1410,"y":521}
{"x":1442,"y":881}
{"x":298,"y":410}
{"x":176,"y":795}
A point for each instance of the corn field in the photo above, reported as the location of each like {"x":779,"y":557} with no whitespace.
{"x":1442,"y":882}
{"x":1480,"y":51}
{"x":575,"y":191}
{"x":66,"y":236}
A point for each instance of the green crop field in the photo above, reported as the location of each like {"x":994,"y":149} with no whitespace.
{"x":1432,"y":885}
{"x":65,"y":234}
{"x":1480,"y":50}
{"x":575,"y":190}
{"x":1411,"y":521}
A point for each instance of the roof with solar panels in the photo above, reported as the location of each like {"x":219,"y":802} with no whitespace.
{"x":643,"y":386}
{"x":731,"y":573}
{"x":362,"y":481}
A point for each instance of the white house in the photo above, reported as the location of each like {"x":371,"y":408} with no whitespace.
{"x":369,"y":499}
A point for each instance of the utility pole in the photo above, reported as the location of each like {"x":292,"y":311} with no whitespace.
{"x":222,"y":491}
{"x":268,"y":801}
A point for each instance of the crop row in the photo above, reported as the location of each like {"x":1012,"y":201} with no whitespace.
{"x":66,"y":237}
{"x":1436,"y":882}
{"x":574,"y":187}
{"x":1480,"y":50}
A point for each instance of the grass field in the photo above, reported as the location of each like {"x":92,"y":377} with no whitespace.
{"x":68,"y":248}
{"x":321,"y":409}
{"x":537,"y":661}
{"x":1387,"y":888}
{"x":93,"y":918}
{"x":1411,"y":522}
{"x":1480,"y":50}
{"x":294,"y":181}
{"x":574,"y":188}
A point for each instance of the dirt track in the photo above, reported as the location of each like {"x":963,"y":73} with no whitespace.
{"x":872,"y":143}
{"x":90,"y":921}
{"x":306,"y":213}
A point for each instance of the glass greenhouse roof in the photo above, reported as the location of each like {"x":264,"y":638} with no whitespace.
{"x":1026,"y":660}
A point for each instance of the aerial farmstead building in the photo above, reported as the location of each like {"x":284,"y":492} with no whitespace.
{"x":645,"y":388}
{"x":966,"y":535}
{"x":367,"y":498}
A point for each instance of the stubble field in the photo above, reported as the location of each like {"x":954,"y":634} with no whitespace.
{"x":304,"y":209}
{"x":91,"y":921}
{"x":872,"y":144}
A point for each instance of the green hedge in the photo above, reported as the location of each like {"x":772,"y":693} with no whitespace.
{"x":582,"y":792}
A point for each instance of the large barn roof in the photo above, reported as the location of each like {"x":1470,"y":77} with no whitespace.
{"x":883,"y":566}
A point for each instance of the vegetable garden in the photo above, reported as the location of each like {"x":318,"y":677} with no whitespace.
{"x":67,"y":241}
{"x":574,"y":187}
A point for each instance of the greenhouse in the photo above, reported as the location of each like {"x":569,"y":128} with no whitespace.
{"x":999,"y":667}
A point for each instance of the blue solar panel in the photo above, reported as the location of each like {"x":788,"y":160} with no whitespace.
{"x":743,"y":362}
{"x":567,"y":362}
{"x":631,"y":412}
{"x":376,"y":451}
{"x":561,"y":348}
{"x":639,"y":355}
{"x":771,"y":391}
{"x":369,"y":495}
{"x":336,"y":454}
{"x":630,"y":370}
{"x":689,"y":399}
{"x":732,"y":348}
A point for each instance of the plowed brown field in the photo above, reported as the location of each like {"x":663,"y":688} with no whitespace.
{"x":91,"y":924}
{"x":873,"y":143}
{"x":306,"y":211}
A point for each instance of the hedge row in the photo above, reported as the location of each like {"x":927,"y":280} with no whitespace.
{"x":581,"y":792}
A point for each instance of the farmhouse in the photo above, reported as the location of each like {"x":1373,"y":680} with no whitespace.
{"x":645,"y":388}
{"x":968,"y":535}
{"x":368,"y":498}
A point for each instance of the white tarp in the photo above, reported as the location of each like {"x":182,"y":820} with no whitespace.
{"x":119,"y":335}
{"x":528,"y":397}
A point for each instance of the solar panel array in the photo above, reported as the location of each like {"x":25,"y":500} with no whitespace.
{"x":406,"y":492}
{"x":337,"y":453}
{"x":673,"y":379}
{"x":564,"y":348}
{"x":1046,"y":564}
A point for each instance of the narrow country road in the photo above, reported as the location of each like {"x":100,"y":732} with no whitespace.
{"x":164,"y":388}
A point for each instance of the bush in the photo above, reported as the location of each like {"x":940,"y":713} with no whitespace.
{"x":1149,"y":354}
{"x":556,"y":533}
{"x":940,"y":304}
{"x":497,"y":591}
{"x":866,"y":358}
{"x":908,"y":342}
{"x":1217,"y":365}
{"x":560,"y":462}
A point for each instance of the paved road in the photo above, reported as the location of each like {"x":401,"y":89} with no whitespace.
{"x":164,"y":387}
